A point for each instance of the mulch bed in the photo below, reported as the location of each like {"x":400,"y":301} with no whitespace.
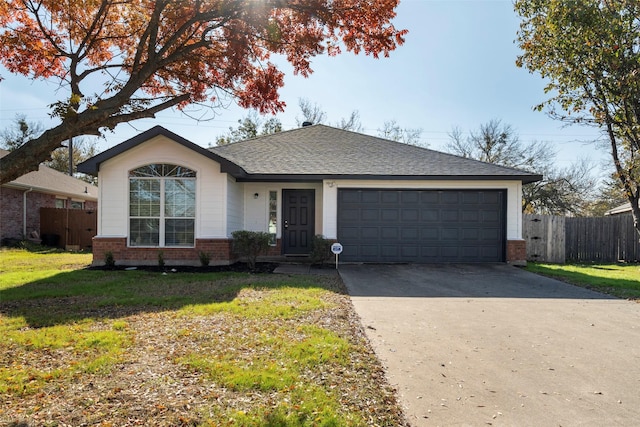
{"x":238,"y":267}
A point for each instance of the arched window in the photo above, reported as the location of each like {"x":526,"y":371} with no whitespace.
{"x":162,"y":206}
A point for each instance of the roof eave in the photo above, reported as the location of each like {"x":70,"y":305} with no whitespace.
{"x":43,"y":190}
{"x":525,"y":179}
{"x":92,"y":166}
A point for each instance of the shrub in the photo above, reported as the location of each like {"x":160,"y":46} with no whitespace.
{"x":160,"y":259}
{"x":109,"y":260}
{"x":250,"y":244}
{"x":204,"y":258}
{"x":320,"y":250}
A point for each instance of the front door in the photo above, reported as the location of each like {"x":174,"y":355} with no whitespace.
{"x":298,"y":221}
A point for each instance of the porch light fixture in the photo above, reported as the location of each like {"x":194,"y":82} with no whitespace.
{"x":256,"y":195}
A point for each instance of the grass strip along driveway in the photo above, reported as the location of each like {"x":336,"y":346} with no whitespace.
{"x":118,"y":348}
{"x":620,"y":280}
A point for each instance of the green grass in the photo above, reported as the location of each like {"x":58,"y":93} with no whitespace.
{"x":268,"y":344}
{"x":621,"y":280}
{"x":276,"y":360}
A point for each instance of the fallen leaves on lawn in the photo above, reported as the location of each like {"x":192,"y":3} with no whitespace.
{"x":150,"y":385}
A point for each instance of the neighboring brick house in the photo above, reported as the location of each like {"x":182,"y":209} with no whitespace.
{"x":21,"y":200}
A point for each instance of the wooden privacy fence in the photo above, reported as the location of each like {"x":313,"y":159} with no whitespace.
{"x":68,"y":228}
{"x":598,"y":239}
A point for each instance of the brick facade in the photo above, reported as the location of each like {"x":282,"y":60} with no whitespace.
{"x":11,"y":211}
{"x":275,"y":250}
{"x":219,"y":251}
{"x":517,"y":252}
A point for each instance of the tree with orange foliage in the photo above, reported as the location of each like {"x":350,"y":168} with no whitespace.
{"x":122,"y":60}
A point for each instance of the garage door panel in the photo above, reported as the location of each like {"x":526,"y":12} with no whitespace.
{"x":410,"y":215}
{"x":392,"y":197}
{"x":410,"y":197}
{"x":369,"y":251}
{"x":429,"y":233}
{"x":350,"y":233}
{"x":369,"y":197}
{"x":491,"y":197}
{"x":430,"y":215}
{"x":390,"y":215}
{"x":449,"y":234}
{"x":370,"y":215}
{"x":449,"y":215}
{"x":490,"y":234}
{"x":429,"y":197}
{"x":349,"y":215}
{"x":349,"y":197}
{"x":422,"y":225}
{"x":471,"y":198}
{"x":449,"y":198}
{"x":409,"y":233}
{"x":449,"y":252}
{"x":470,"y":234}
{"x":489,"y":252}
{"x":429,"y":253}
{"x":389,"y":251}
{"x":390,"y":233}
{"x":470,"y":251}
{"x":370,"y":233}
{"x":410,"y":252}
{"x":470,"y":216}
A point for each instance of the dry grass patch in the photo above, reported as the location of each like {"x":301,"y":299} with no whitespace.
{"x":138,"y":348}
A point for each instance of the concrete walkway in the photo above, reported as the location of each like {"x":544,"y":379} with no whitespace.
{"x":496,"y":345}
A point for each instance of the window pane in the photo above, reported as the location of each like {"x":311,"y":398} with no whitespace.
{"x":179,"y":232}
{"x":273,"y":217}
{"x":178,"y":171}
{"x":160,"y":170}
{"x":144,"y":232}
{"x":144,"y":197}
{"x":180,"y":198}
{"x":149,"y":170}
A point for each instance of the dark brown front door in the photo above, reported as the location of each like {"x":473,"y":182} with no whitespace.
{"x":298,"y":221}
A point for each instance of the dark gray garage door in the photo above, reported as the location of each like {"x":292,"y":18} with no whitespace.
{"x":422,"y":226}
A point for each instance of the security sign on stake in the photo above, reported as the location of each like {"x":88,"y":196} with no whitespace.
{"x":336,"y":248}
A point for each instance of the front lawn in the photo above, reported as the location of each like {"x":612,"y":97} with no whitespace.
{"x":119,"y":348}
{"x":621,"y":280}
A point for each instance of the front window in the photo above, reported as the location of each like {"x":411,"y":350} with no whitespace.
{"x":273,"y":217}
{"x":162,"y":206}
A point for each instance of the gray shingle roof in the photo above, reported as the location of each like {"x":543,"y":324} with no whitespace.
{"x":47,"y":180}
{"x":320,"y":150}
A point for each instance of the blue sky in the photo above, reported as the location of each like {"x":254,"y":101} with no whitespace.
{"x":457,"y":68}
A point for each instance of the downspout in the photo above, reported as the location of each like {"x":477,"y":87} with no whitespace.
{"x":24,"y":212}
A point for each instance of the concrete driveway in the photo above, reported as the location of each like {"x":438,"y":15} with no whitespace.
{"x":496,"y":345}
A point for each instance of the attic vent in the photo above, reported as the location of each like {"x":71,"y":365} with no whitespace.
{"x":305,"y":124}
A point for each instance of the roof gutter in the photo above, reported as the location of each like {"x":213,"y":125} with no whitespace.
{"x":260,"y":177}
{"x":24,"y":212}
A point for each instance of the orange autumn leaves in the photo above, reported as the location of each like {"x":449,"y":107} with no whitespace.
{"x":121,"y":60}
{"x":168,"y":48}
